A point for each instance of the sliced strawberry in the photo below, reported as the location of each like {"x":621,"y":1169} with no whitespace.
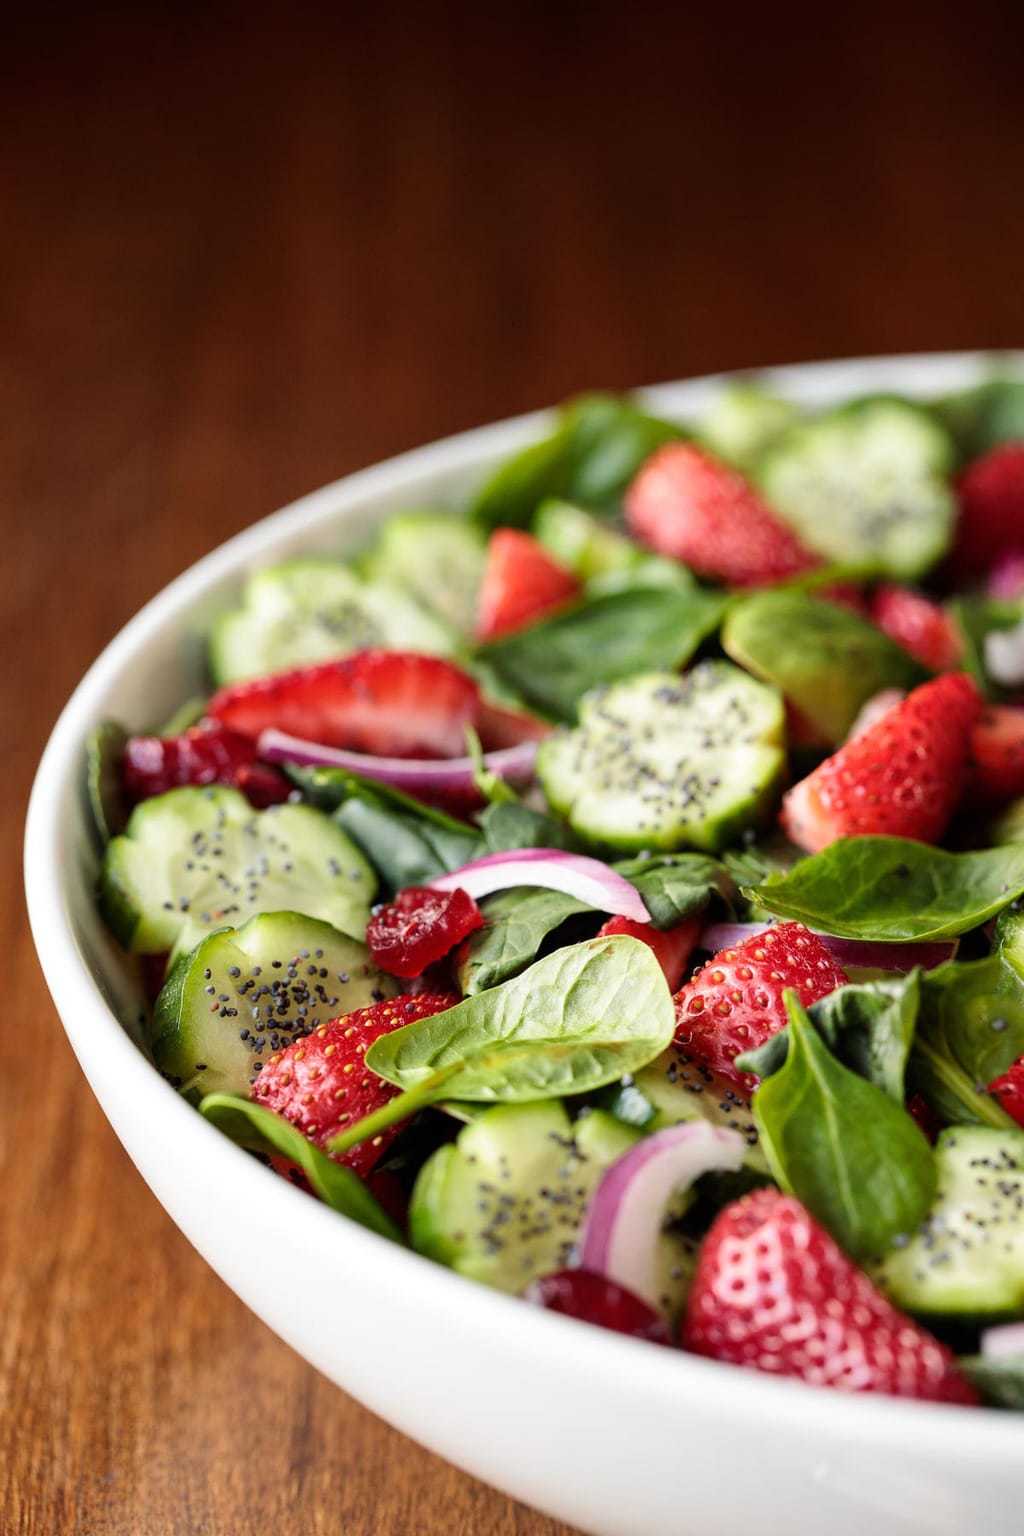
{"x":419,"y":927}
{"x":997,"y":754}
{"x":672,"y":946}
{"x":847,"y":595}
{"x":922,"y":627}
{"x":734,"y":1003}
{"x":594,"y":1298}
{"x":321,"y":1083}
{"x":521,"y":584}
{"x":498,"y":726}
{"x":774,"y":1292}
{"x":689,"y":505}
{"x":1006,"y":578}
{"x":206,"y":754}
{"x":923,"y":1116}
{"x":902,"y":777}
{"x":991,"y":493}
{"x":390,"y":703}
{"x":1009,"y":1090}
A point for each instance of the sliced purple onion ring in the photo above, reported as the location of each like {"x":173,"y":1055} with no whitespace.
{"x":1004,"y":1342}
{"x":869,"y":954}
{"x":572,"y":873}
{"x":627,"y":1209}
{"x":423,"y":776}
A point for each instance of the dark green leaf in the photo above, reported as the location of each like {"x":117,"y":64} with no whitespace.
{"x":519,"y":921}
{"x":184,"y":717}
{"x":507,"y":827}
{"x":999,"y":1379}
{"x":893,"y":889}
{"x":841,"y":1146}
{"x":576,"y":1020}
{"x":328,"y":788}
{"x":603,"y":640}
{"x":976,"y":618}
{"x":405,"y":849}
{"x":260,"y":1130}
{"x":676,"y":885}
{"x":982,"y":417}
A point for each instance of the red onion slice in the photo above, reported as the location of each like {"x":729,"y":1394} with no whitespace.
{"x":572,"y":873}
{"x":417,"y":776}
{"x":869,"y":954}
{"x":626,"y":1211}
{"x":1004,"y":1342}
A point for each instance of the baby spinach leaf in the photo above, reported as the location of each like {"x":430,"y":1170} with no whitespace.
{"x":999,"y":1379}
{"x":518,"y":923}
{"x":506,"y":826}
{"x":983,"y":416}
{"x":491,"y":786}
{"x":578,"y":1019}
{"x":826,"y":660}
{"x":405,"y":849}
{"x":603,"y":640}
{"x":328,"y":788}
{"x":260,"y":1130}
{"x":675,"y":885}
{"x":868,"y":1026}
{"x":976,"y":618}
{"x":892,"y":889}
{"x":841,"y":1146}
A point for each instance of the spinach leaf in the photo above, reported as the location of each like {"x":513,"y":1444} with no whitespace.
{"x":576,"y":1020}
{"x":675,"y":885}
{"x":598,"y":444}
{"x":491,"y":786}
{"x":999,"y":1379}
{"x":104,"y":751}
{"x":976,"y":618}
{"x":518,"y":923}
{"x":972,"y":1029}
{"x":983,"y":416}
{"x":328,"y":788}
{"x":893,"y":889}
{"x":507,"y":826}
{"x":603,"y":640}
{"x":260,"y":1130}
{"x":826,"y":660}
{"x":841,"y":1146}
{"x":868,"y":1026}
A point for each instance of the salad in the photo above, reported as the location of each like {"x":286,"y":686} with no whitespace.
{"x":614,"y":890}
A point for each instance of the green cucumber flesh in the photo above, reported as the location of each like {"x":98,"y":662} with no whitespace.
{"x":673,"y":1090}
{"x":504,"y":1204}
{"x":866,"y":486}
{"x":743,"y":421}
{"x":307,"y":611}
{"x":104,"y":753}
{"x":204,"y":859}
{"x":438,"y":558}
{"x":967,"y":1259}
{"x":665,"y":762}
{"x":601,"y":557}
{"x":246,"y":992}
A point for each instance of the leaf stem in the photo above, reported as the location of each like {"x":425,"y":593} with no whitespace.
{"x":389,"y":1114}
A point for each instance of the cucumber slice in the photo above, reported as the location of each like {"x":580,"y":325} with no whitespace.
{"x":436,"y":557}
{"x":672,"y":1090}
{"x":204,"y":858}
{"x":744,"y":420}
{"x":826,"y":660}
{"x":967,"y":1259}
{"x":306,"y":611}
{"x":246,"y":992}
{"x":866,"y":485}
{"x":601,"y":557}
{"x":505,"y":1203}
{"x":667,"y":762}
{"x":104,"y":752}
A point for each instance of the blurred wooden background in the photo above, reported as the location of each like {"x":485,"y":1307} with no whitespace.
{"x":244,"y":251}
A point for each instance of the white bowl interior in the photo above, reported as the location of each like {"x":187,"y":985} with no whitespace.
{"x":506,"y":1369}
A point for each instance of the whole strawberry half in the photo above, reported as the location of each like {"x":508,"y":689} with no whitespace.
{"x":991,"y":521}
{"x":774,"y":1292}
{"x":734,"y":1003}
{"x":997,"y":754}
{"x":689,"y":505}
{"x":210,"y":753}
{"x":389,"y":703}
{"x":922,"y":627}
{"x":521,"y":583}
{"x":902,"y":777}
{"x":672,"y":946}
{"x":419,"y":927}
{"x":322,"y":1084}
{"x":1009,"y":1090}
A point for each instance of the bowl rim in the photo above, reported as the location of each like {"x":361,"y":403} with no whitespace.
{"x":91,"y":1025}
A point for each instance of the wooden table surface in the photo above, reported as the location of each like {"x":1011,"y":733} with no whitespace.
{"x":242,"y":253}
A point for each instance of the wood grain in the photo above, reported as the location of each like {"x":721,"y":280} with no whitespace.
{"x":245,"y":251}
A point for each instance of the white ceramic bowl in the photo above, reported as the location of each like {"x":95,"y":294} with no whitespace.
{"x":615,"y":1436}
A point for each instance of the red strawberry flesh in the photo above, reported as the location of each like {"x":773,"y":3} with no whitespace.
{"x":917,"y":624}
{"x":210,"y":753}
{"x":902,"y":777}
{"x":592,"y":1298}
{"x":672,"y":946}
{"x":521,"y":584}
{"x":419,"y":927}
{"x":322,"y":1084}
{"x":991,"y":521}
{"x":1008,"y":1088}
{"x":997,"y":754}
{"x":691,"y":506}
{"x":774,"y":1292}
{"x":735,"y":1003}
